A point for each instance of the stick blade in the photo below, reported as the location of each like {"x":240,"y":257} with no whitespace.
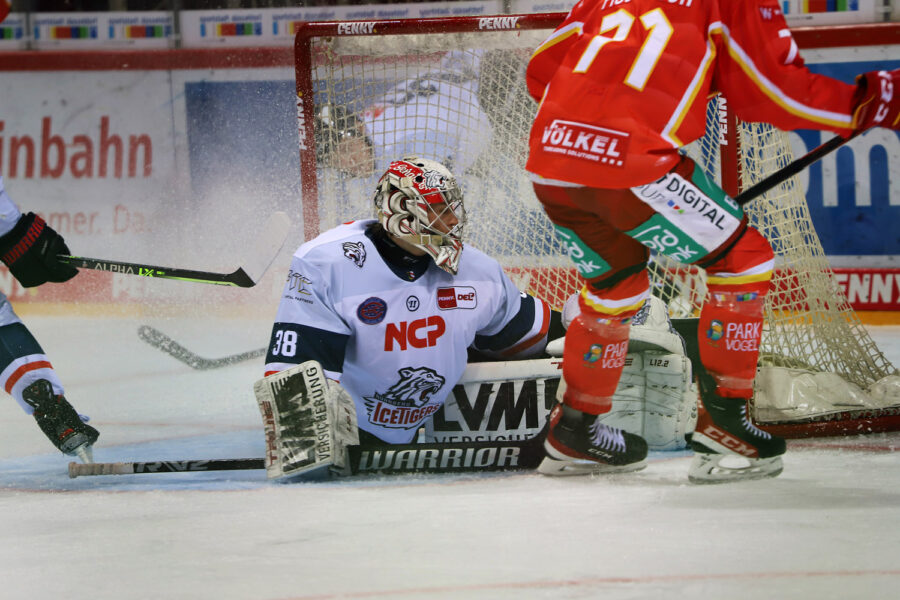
{"x":266,"y":248}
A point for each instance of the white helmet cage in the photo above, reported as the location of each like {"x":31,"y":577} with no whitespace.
{"x":418,"y":200}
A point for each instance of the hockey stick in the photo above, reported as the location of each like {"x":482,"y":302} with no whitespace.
{"x":265,"y":249}
{"x":169,"y":466}
{"x":158,"y":339}
{"x":782,"y":175}
{"x":445,"y":457}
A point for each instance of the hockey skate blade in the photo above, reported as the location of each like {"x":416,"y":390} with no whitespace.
{"x":709,"y":468}
{"x":86,"y":453}
{"x":566,"y":468}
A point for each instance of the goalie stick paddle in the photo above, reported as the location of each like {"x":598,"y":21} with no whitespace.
{"x":443,"y":457}
{"x":782,"y":175}
{"x":161,"y":341}
{"x":265,"y":249}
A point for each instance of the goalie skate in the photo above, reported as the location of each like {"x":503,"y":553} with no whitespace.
{"x":728,"y":447}
{"x":580,"y":444}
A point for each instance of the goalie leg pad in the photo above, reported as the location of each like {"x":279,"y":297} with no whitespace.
{"x":656,"y":400}
{"x":308,"y":423}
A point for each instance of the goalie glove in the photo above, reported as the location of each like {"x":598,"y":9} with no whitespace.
{"x":308,"y":420}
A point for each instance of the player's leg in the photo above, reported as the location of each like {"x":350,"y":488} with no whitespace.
{"x":27,"y":375}
{"x":697,"y":222}
{"x":729,"y":332}
{"x":614,"y":267}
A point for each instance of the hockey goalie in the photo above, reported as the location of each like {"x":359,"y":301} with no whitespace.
{"x":311,"y":422}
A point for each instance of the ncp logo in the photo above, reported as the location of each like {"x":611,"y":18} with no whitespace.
{"x":421,"y":333}
{"x":456,"y":297}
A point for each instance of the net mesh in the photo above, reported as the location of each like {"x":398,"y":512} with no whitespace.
{"x":461,"y":99}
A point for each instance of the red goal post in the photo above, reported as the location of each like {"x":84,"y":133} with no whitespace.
{"x":815,"y":352}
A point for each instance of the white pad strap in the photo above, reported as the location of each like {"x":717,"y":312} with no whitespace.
{"x":308,"y":422}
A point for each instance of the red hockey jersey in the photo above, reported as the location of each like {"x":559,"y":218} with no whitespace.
{"x":624,"y":83}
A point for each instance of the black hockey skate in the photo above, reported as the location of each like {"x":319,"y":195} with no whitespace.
{"x":728,"y":447}
{"x":59,"y":421}
{"x":580,"y":444}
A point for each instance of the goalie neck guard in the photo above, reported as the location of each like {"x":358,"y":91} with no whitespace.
{"x":418,"y":201}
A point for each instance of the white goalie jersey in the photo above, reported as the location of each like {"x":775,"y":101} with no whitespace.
{"x":397,"y":344}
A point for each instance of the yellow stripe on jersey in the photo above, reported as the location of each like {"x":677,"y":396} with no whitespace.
{"x":776,"y":94}
{"x":558,"y":36}
{"x":741,"y":279}
{"x":614,"y":307}
{"x":690,"y":95}
{"x":760,"y":272}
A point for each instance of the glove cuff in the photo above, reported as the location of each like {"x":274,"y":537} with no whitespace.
{"x":16,"y":243}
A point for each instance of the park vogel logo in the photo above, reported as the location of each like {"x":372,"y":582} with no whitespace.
{"x":610,"y":356}
{"x":594,"y":353}
{"x":716,"y":330}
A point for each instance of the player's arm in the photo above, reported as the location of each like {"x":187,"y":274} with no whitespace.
{"x":28,"y":246}
{"x":307,"y":327}
{"x":547,"y":57}
{"x":520,"y":326}
{"x":308,"y":418}
{"x":762,"y":74}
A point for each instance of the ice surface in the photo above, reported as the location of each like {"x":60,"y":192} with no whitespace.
{"x":828,"y":527}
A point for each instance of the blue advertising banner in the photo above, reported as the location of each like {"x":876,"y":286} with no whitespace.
{"x":854,"y":193}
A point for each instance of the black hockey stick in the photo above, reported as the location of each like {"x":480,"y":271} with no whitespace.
{"x":782,"y":175}
{"x":265,"y":249}
{"x":166,"y":466}
{"x":443,"y":457}
{"x":158,"y":339}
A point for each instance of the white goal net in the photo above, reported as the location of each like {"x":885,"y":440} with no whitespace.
{"x":457,"y":94}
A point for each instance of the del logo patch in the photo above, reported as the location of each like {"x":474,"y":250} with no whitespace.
{"x":449,"y":298}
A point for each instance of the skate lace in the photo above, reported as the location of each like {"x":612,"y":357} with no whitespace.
{"x":749,"y":426}
{"x":607,"y":437}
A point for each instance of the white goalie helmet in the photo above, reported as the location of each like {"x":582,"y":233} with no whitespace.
{"x":418,"y":201}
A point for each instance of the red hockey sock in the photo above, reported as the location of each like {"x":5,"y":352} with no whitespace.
{"x":593,"y":359}
{"x":729,"y":332}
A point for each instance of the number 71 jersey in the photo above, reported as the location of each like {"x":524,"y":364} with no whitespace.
{"x":623,"y":84}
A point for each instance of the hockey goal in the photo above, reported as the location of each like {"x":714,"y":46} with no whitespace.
{"x":453,"y":89}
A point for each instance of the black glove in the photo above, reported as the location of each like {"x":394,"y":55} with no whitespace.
{"x":30,"y":250}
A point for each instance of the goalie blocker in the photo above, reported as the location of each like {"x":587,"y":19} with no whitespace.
{"x":493,"y":420}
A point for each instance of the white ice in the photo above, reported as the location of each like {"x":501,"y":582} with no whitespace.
{"x":828,"y":527}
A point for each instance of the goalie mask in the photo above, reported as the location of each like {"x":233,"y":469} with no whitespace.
{"x":418,"y":201}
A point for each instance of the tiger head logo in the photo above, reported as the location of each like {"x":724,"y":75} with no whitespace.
{"x":433,"y":179}
{"x":416,"y":387}
{"x":355,"y":251}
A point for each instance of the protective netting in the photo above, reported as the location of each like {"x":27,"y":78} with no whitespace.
{"x":461,"y":99}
